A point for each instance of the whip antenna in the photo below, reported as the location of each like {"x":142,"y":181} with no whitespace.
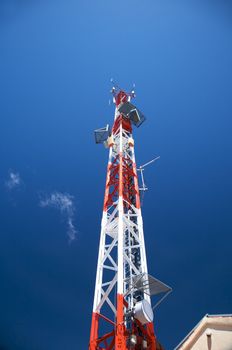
{"x":141,"y":169}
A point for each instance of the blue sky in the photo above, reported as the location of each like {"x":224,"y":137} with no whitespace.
{"x":56,"y":61}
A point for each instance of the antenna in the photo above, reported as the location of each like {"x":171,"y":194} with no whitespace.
{"x":116,"y":88}
{"x":132,"y":93}
{"x":141,"y":170}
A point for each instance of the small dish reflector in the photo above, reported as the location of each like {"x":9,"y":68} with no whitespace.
{"x":143,"y":312}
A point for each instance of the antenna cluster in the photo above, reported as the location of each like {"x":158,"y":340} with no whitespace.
{"x":116,"y":89}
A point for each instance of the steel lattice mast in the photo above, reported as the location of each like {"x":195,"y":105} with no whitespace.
{"x":122,"y":314}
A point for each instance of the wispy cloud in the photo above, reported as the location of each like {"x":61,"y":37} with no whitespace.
{"x":14,"y":181}
{"x":64,"y":203}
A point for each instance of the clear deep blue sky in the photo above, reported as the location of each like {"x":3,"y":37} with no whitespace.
{"x":56,"y":60}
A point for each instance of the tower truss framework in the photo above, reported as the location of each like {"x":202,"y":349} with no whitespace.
{"x":122,"y":256}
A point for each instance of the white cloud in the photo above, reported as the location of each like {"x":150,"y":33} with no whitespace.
{"x":71,"y":229}
{"x":64,"y":203}
{"x":14,"y":180}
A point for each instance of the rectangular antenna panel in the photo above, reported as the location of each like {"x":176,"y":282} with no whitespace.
{"x":102,"y":134}
{"x":128,"y":110}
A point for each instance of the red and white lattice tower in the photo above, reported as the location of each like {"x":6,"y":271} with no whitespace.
{"x":122,"y":314}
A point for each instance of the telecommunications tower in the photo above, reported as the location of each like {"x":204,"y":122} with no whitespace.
{"x":122,"y":311}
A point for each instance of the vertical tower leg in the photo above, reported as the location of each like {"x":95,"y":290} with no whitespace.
{"x":151,"y":334}
{"x":120,"y":332}
{"x":94,"y":331}
{"x":120,"y":343}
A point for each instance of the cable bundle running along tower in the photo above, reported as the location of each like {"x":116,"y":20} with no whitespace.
{"x":122,"y":313}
